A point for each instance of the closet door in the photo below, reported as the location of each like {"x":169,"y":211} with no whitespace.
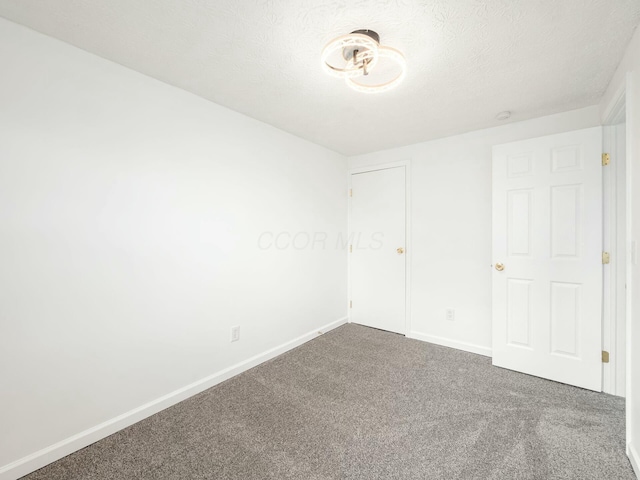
{"x":377,"y":257}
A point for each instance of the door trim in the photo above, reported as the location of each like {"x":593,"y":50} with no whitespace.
{"x":612,"y":322}
{"x":408,"y":247}
{"x":623,"y":101}
{"x":614,"y":114}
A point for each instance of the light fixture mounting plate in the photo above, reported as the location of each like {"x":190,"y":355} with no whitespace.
{"x":347,"y":53}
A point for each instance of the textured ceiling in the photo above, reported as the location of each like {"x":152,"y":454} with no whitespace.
{"x":467,"y":59}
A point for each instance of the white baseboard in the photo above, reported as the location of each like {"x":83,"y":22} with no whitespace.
{"x":446,"y":342}
{"x":69,"y":445}
{"x":634,"y":458}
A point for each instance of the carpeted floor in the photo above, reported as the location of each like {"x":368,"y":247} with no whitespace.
{"x":359,"y":403}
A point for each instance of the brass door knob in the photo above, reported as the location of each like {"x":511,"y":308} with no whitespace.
{"x":400,"y":250}
{"x":499,"y":267}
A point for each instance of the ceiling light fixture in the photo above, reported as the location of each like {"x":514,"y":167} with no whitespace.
{"x":356,"y":55}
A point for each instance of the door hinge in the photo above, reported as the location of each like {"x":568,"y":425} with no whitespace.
{"x":605,"y":356}
{"x":606,"y":258}
{"x":351,"y":192}
{"x":606,"y":159}
{"x":350,"y":304}
{"x":350,"y":248}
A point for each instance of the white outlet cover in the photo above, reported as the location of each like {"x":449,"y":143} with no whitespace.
{"x":235,"y":334}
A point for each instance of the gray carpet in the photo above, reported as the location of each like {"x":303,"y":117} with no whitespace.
{"x":359,"y":403}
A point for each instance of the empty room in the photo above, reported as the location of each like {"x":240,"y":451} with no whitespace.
{"x":317,"y":240}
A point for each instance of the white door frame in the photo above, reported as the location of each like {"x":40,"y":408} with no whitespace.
{"x":408,"y":249}
{"x":612,"y":114}
{"x":612,"y":381}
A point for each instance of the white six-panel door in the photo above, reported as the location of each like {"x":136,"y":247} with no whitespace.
{"x":377,"y":259}
{"x":547,"y":254}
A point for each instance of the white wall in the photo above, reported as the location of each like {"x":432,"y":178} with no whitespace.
{"x":130,"y":213}
{"x":627,"y":78}
{"x":451,"y":222}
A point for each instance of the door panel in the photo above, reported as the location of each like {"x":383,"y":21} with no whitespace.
{"x":547,"y":232}
{"x":378,"y":229}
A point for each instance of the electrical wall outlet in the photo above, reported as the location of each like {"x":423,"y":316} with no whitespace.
{"x":450,"y":314}
{"x":235,"y":333}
